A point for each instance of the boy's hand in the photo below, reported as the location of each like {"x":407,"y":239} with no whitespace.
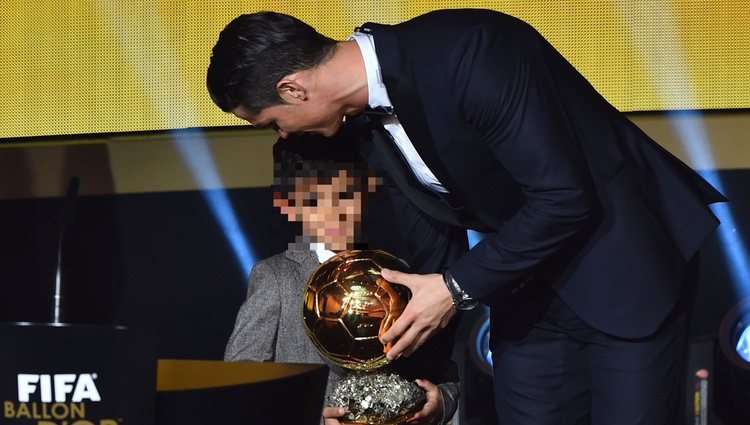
{"x":432,"y":411}
{"x":331,"y":415}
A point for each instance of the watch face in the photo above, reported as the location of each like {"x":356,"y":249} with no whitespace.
{"x":466,"y":304}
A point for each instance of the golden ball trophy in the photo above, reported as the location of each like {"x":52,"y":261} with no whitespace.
{"x":347,"y":306}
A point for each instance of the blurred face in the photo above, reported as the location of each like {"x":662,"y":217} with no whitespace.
{"x":330,"y":213}
{"x":304,"y":117}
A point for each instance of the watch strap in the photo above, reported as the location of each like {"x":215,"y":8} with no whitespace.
{"x":461,"y":300}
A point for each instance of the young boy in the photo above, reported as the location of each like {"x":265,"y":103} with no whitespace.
{"x":323,"y":184}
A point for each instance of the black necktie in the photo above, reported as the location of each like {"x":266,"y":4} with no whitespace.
{"x":379,"y":111}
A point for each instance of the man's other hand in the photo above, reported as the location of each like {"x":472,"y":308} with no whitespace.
{"x":429,"y":310}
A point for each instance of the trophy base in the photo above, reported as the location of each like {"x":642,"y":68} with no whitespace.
{"x":378,"y":397}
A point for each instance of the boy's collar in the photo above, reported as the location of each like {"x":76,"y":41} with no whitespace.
{"x":322,"y":253}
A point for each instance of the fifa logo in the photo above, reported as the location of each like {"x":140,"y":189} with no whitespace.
{"x":59,"y":388}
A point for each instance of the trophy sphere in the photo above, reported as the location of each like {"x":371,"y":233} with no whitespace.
{"x":347,"y":305}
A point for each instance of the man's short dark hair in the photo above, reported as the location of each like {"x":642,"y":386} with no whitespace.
{"x":254,"y":52}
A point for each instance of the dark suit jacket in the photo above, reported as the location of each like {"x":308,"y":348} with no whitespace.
{"x":571,"y":192}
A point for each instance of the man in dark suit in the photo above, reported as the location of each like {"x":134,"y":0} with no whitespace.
{"x":592,"y":229}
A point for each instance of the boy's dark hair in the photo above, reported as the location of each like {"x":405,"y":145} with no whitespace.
{"x":254,"y":52}
{"x":308,"y":155}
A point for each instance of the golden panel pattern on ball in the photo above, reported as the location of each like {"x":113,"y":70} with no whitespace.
{"x":348,"y":305}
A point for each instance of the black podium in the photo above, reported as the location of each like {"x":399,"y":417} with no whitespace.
{"x":99,"y":375}
{"x":199,"y":392}
{"x":65,"y":374}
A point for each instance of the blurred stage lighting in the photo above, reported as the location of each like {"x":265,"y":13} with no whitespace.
{"x":480,"y":353}
{"x":743,"y":341}
{"x":734,"y":335}
{"x":477,"y":401}
{"x":733,"y":366}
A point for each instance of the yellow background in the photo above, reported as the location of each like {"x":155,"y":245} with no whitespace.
{"x":80,"y":67}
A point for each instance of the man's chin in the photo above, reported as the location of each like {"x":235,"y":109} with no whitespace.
{"x":325,"y":132}
{"x":329,"y":132}
{"x":316,"y":134}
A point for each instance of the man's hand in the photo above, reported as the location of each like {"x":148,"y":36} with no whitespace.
{"x":429,"y":310}
{"x":331,"y":415}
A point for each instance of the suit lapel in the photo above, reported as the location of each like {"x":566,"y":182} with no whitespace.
{"x":396,"y":166}
{"x":400,"y":82}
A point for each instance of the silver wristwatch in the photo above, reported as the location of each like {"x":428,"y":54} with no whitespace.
{"x":461,"y":300}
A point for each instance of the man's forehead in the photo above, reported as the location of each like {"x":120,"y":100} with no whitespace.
{"x":242,"y":113}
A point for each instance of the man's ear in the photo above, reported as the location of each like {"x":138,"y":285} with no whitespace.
{"x":291,"y":89}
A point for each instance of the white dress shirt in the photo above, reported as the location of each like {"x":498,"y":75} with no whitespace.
{"x":322,"y":253}
{"x":378,"y":96}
